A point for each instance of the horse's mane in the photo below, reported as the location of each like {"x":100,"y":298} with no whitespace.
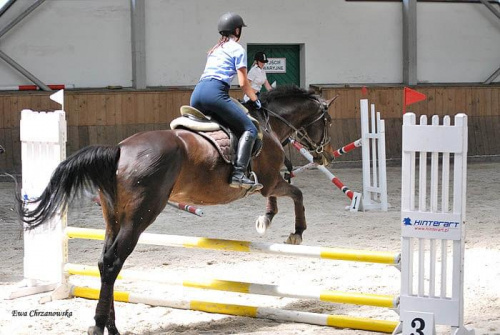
{"x":286,"y":95}
{"x":287,"y":92}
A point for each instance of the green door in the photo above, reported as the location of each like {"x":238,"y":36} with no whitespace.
{"x":284,"y":62}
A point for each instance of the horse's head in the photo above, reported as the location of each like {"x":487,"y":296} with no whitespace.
{"x":314,"y":133}
{"x":304,"y":115}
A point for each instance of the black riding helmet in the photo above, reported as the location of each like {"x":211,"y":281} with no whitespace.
{"x":261,"y":57}
{"x":228,"y":24}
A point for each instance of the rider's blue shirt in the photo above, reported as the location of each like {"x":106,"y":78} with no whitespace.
{"x":224,"y":61}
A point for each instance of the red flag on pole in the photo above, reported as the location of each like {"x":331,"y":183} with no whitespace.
{"x":364,"y":91}
{"x":411,"y":96}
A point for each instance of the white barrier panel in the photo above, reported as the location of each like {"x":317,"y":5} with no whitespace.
{"x":433,"y":229}
{"x":43,"y":145}
{"x":373,"y":155}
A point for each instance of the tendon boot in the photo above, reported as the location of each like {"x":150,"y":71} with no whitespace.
{"x":243,"y":155}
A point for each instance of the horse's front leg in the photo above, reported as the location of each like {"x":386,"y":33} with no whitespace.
{"x":300,"y":214}
{"x":264,"y":221}
{"x":283,"y":189}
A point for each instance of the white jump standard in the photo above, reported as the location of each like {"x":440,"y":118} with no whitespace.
{"x":429,"y":294}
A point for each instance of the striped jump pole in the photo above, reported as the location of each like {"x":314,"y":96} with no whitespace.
{"x":290,"y":291}
{"x":353,"y":255}
{"x":372,"y":143}
{"x":339,"y":321}
{"x":346,"y":148}
{"x":301,"y":169}
{"x":336,"y":153}
{"x":186,"y":208}
{"x":354,"y":196}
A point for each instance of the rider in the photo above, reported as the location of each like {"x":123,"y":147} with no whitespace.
{"x":211,"y":95}
{"x":257,"y":75}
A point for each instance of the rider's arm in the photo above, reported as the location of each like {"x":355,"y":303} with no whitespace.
{"x":245,"y":84}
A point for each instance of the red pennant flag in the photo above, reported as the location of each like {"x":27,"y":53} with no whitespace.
{"x":364,"y":91}
{"x":411,"y":96}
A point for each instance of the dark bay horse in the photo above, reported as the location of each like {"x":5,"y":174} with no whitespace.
{"x":138,"y":176}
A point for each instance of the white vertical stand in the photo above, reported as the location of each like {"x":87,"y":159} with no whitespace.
{"x":433,"y":230}
{"x":374,"y":167}
{"x":43,"y":138}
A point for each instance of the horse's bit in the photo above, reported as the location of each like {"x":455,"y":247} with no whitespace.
{"x":301,"y":133}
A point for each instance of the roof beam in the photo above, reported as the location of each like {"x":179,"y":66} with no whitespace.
{"x":6,"y":6}
{"x":21,"y":17}
{"x":12,"y":62}
{"x":492,"y":77}
{"x":23,"y":71}
{"x":497,"y":13}
{"x":491,"y":8}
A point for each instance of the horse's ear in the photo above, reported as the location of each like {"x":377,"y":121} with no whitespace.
{"x":329,"y":102}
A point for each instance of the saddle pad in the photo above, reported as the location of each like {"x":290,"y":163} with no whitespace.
{"x":222,"y":142}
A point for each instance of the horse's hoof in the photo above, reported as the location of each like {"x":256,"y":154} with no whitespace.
{"x":294,"y":239}
{"x":262,"y":224}
{"x":95,"y":331}
{"x":111,"y":327}
{"x":113,"y":331}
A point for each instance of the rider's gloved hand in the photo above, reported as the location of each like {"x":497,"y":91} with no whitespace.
{"x":257,"y":104}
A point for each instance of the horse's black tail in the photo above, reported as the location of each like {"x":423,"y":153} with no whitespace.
{"x":91,"y":167}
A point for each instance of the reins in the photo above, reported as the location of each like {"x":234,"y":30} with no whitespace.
{"x":301,"y":135}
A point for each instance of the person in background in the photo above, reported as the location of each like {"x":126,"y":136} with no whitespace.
{"x":257,"y":75}
{"x":226,"y":60}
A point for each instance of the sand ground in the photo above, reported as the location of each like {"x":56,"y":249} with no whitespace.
{"x":328,"y":225}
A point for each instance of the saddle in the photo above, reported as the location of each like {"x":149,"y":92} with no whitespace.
{"x":223,"y":139}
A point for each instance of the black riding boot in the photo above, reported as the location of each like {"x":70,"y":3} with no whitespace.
{"x":243,"y":155}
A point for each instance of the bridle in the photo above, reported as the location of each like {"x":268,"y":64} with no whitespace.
{"x":301,"y":135}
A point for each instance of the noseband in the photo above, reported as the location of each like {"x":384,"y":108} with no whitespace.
{"x":301,"y":135}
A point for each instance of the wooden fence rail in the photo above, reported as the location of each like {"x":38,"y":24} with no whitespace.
{"x":108,"y":116}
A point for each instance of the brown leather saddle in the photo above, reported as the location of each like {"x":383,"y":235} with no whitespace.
{"x":224,"y":140}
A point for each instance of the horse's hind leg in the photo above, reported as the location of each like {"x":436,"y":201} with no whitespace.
{"x":110,"y":325}
{"x":117,"y":247}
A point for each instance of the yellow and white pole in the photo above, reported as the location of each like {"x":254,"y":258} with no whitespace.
{"x":288,"y":291}
{"x":339,"y":321}
{"x":353,"y":255}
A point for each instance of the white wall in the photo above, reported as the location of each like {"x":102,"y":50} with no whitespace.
{"x":458,"y":43}
{"x":87,"y":42}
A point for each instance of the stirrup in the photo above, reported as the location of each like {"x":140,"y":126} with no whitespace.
{"x":255,"y":186}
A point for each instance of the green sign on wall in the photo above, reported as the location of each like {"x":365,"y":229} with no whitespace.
{"x":284,"y":62}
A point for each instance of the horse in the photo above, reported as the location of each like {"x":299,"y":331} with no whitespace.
{"x":137,"y":177}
